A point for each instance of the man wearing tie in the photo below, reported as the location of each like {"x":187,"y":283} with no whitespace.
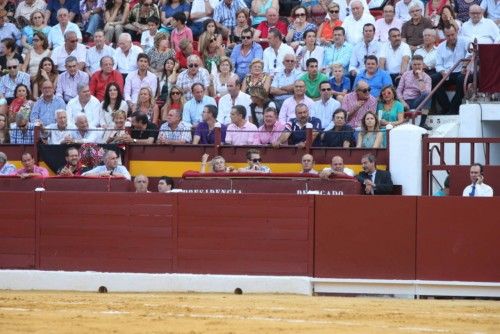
{"x":478,"y":188}
{"x":374,"y":181}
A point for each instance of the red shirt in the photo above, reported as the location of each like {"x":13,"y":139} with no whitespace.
{"x":98,"y":84}
{"x":263,"y":27}
{"x":182,"y":59}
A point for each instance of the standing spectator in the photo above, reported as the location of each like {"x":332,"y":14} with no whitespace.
{"x":201,"y":10}
{"x":312,"y":78}
{"x":324,"y":108}
{"x":194,"y":74}
{"x":45,"y":107}
{"x":193,"y":108}
{"x":385,"y":23}
{"x":172,"y":7}
{"x":34,"y":55}
{"x":126,"y":54}
{"x":311,"y":50}
{"x":354,"y":23}
{"x":174,"y":131}
{"x":492,"y":10}
{"x":36,"y":25}
{"x":138,"y":79}
{"x":160,"y":53}
{"x":187,"y":50}
{"x":370,"y":135}
{"x":14,"y":77}
{"x":395,"y":56}
{"x":97,"y":52}
{"x":295,"y":129}
{"x":282,"y":84}
{"x":25,"y":10}
{"x":374,"y":181}
{"x":336,"y":169}
{"x":29,"y":168}
{"x":180,"y":30}
{"x":68,"y":80}
{"x":374,"y":76}
{"x":298,"y":27}
{"x":428,"y":51}
{"x":411,"y":31}
{"x":91,"y":12}
{"x":9,"y":49}
{"x":256,"y":77}
{"x":146,"y":104}
{"x":287,"y":111}
{"x":139,"y":15}
{"x":6,"y":168}
{"x":53,"y":8}
{"x":22,"y":132}
{"x":240,"y":131}
{"x":225,"y":14}
{"x":71,"y":47}
{"x":86,"y":104}
{"x":46,"y":72}
{"x":205,"y":131}
{"x":368,"y":46}
{"x":390,"y":109}
{"x":269,"y":132}
{"x":486,"y":31}
{"x":275,"y":53}
{"x":339,"y":52}
{"x":338,"y":133}
{"x":115,"y":18}
{"x":113,"y":101}
{"x":272,"y":21}
{"x":101,"y":79}
{"x":325,"y":31}
{"x":56,"y":33}
{"x":358,"y":103}
{"x":243,"y":54}
{"x":477,"y":188}
{"x":234,"y":97}
{"x":403,"y":9}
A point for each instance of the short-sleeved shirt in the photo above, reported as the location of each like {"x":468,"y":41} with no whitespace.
{"x":312,"y":86}
{"x":298,"y":131}
{"x":390,"y":115}
{"x":413,"y":32}
{"x":206,"y":135}
{"x":393,"y":58}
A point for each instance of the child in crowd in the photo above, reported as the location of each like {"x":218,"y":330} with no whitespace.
{"x":181,"y":31}
{"x":148,"y":36}
{"x":340,"y":83}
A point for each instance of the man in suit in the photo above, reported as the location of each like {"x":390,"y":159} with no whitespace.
{"x":374,"y":181}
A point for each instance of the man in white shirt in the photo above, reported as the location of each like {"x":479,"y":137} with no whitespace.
{"x":282,"y":85}
{"x":84,"y":103}
{"x":84,"y":133}
{"x":477,"y":188}
{"x":485,"y":30}
{"x":368,"y":46}
{"x":27,"y":7}
{"x":394,"y":56}
{"x":126,"y":54}
{"x":384,"y":24}
{"x":71,"y":47}
{"x":234,"y":97}
{"x":428,"y":51}
{"x":275,"y":53}
{"x":97,"y":52}
{"x":353,"y":24}
{"x":56,"y":33}
{"x":337,"y":168}
{"x":59,"y":131}
{"x":326,"y":105}
{"x":138,"y":79}
{"x":492,"y":9}
{"x":110,"y":167}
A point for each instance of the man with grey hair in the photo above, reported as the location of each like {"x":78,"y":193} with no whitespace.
{"x":23,"y":131}
{"x":97,"y":52}
{"x":141,"y":183}
{"x":403,"y":9}
{"x":174,"y":130}
{"x":56,"y":33}
{"x":15,"y":77}
{"x":71,"y":47}
{"x":110,"y":167}
{"x":485,"y":30}
{"x":428,"y":51}
{"x":374,"y":181}
{"x":194,"y":74}
{"x":126,"y":54}
{"x":353,"y":24}
{"x":101,"y":79}
{"x":412,"y":30}
{"x":61,"y":130}
{"x":45,"y":107}
{"x":282,"y":84}
{"x":84,"y":103}
{"x":295,"y":129}
{"x":6,"y":168}
{"x":68,"y":80}
{"x":83,"y":133}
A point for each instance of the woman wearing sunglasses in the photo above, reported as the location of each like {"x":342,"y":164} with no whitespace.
{"x":297,"y":28}
{"x":175,"y":100}
{"x":325,"y":31}
{"x":254,"y":163}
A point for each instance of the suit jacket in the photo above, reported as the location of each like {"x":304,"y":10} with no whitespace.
{"x":383,"y":182}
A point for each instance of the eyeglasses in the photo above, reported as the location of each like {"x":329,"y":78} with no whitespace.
{"x":334,"y":11}
{"x":193,"y":65}
{"x":12,"y":67}
{"x":326,"y":89}
{"x":365,"y":90}
{"x":256,"y":160}
{"x":300,"y":15}
{"x":246,"y":37}
{"x":175,"y":93}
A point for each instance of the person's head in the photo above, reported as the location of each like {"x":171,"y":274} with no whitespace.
{"x":450,"y":34}
{"x":447,"y":13}
{"x":475,"y":171}
{"x":193,"y":63}
{"x":333,"y":10}
{"x":198,"y":91}
{"x":368,"y":163}
{"x":37,"y":18}
{"x":210,"y":26}
{"x":253,"y":157}
{"x":395,"y":37}
{"x":339,"y":117}
{"x":22,"y":121}
{"x":475,"y":13}
{"x":339,"y":35}
{"x":22,"y":91}
{"x":141,"y":183}
{"x":368,"y":32}
{"x":139,"y":120}
{"x":429,"y":36}
{"x":310,"y":37}
{"x":312,"y":66}
{"x":299,"y":88}
{"x":325,"y":90}
{"x":168,"y":66}
{"x":233,"y":86}
{"x":112,"y":92}
{"x":110,"y":159}
{"x":302,"y":113}
{"x":256,"y":66}
{"x":125,"y":41}
{"x":388,"y":94}
{"x":242,"y":17}
{"x":417,"y":63}
{"x":274,"y":37}
{"x":70,"y":40}
{"x":27,"y":161}
{"x":13,"y":66}
{"x":307,"y":162}
{"x":81,"y":122}
{"x":174,"y":117}
{"x":165,"y":184}
{"x":72,"y":156}
{"x":371,"y":64}
{"x":186,"y":46}
{"x":9,"y":45}
{"x":179,"y":18}
{"x":337,"y":164}
{"x":246,"y":37}
{"x":272,"y":16}
{"x":161,"y":41}
{"x":3,"y":124}
{"x":238,"y":114}
{"x":363,"y":90}
{"x":210,"y":113}
{"x":175,"y":94}
{"x":299,"y":13}
{"x":63,"y":16}
{"x":99,"y":38}
{"x":119,"y":118}
{"x":337,"y":70}
{"x":415,"y":11}
{"x":71,"y":65}
{"x":47,"y":65}
{"x":3,"y":159}
{"x":369,"y":122}
{"x":107,"y":63}
{"x":218,"y":164}
{"x":357,"y":9}
{"x":289,"y":61}
{"x":39,"y":39}
{"x":225,"y":65}
{"x":146,"y":5}
{"x":270,"y":116}
{"x":47,"y":89}
{"x":143,"y":62}
{"x":145,"y":97}
{"x":389,"y":13}
{"x":61,"y":118}
{"x":258,"y":95}
{"x":83,"y":91}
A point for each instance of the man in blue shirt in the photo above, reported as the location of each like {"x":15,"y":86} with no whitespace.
{"x":193,"y":109}
{"x":45,"y":107}
{"x":243,"y":54}
{"x":374,"y":76}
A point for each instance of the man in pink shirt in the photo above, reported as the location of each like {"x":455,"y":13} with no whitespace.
{"x":29,"y":168}
{"x":385,"y":23}
{"x":240,"y":131}
{"x":180,"y":32}
{"x":287,"y":111}
{"x":358,"y":103}
{"x":270,"y":131}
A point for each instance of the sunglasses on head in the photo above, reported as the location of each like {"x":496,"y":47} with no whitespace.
{"x":256,"y":160}
{"x":193,"y":65}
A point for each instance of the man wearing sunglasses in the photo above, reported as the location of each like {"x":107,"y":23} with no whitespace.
{"x":9,"y":82}
{"x":243,"y":54}
{"x":358,"y":103}
{"x":323,"y":108}
{"x":71,"y":47}
{"x":254,"y":163}
{"x":194,"y":74}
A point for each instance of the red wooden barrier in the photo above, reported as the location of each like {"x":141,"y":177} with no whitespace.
{"x":458,"y":239}
{"x":365,"y":237}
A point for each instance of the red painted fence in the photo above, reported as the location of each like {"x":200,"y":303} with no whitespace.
{"x":385,"y":237}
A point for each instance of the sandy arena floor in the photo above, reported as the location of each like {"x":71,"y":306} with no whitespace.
{"x":75,"y":312}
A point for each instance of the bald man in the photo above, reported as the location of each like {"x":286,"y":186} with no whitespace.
{"x":337,"y":168}
{"x":307,"y":162}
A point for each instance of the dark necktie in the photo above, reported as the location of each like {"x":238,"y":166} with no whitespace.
{"x":473,"y":191}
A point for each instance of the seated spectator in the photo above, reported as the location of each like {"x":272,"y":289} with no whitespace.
{"x":22,"y":101}
{"x":486,"y":31}
{"x":146,"y":104}
{"x":68,"y":80}
{"x":29,"y":168}
{"x":414,"y":87}
{"x":165,"y":184}
{"x":91,"y":13}
{"x":35,"y":54}
{"x":492,"y":10}
{"x":25,"y":10}
{"x":160,"y":53}
{"x":141,"y":184}
{"x":222,"y":77}
{"x":53,"y":10}
{"x":194,"y":74}
{"x":312,"y":78}
{"x":287,"y":111}
{"x":336,"y":168}
{"x":477,"y":188}
{"x":323,"y":108}
{"x":242,"y":23}
{"x":126,"y":54}
{"x":175,"y":100}
{"x":56,"y":33}
{"x":283,"y":81}
{"x":138,"y":79}
{"x":366,"y":47}
{"x":168,"y":78}
{"x":339,"y":82}
{"x":374,"y":181}
{"x":394,"y":56}
{"x":275,"y":53}
{"x":370,"y":135}
{"x":84,"y":133}
{"x":385,"y":23}
{"x":97,"y":52}
{"x":446,"y":19}
{"x":9,"y":52}
{"x":256,"y":77}
{"x":9,"y":82}
{"x":139,"y":15}
{"x":354,"y":23}
{"x":172,"y":7}
{"x":254,"y":163}
{"x":428,"y":51}
{"x":180,"y":31}
{"x":339,"y":52}
{"x":311,"y":51}
{"x":358,"y":103}
{"x":211,"y":50}
{"x":22,"y":132}
{"x":403,"y":9}
{"x":143,"y":131}
{"x":7,"y":29}
{"x":4,"y":129}
{"x":260,"y":102}
{"x":259,"y":10}
{"x":338,"y":133}
{"x":390,"y":109}
{"x":270,"y":132}
{"x":295,"y":129}
{"x":59,"y":132}
{"x":35,"y":25}
{"x":210,"y":29}
{"x":434,"y":9}
{"x":174,"y":131}
{"x":235,"y":97}
{"x":193,"y":108}
{"x":411,"y":31}
{"x":71,"y":47}
{"x":240,"y":131}
{"x":45,"y":107}
{"x":243,"y":54}
{"x":110,"y":167}
{"x":148,"y":35}
{"x":217,"y":163}
{"x":272,"y":21}
{"x":101,"y":79}
{"x":186,"y":50}
{"x":307,"y":162}
{"x":6,"y":168}
{"x":374,"y":76}
{"x":46,"y":72}
{"x":325,"y":30}
{"x":112,"y":102}
{"x":298,"y":27}
{"x":115,"y":18}
{"x":85,"y":103}
{"x":205,"y":131}
{"x":73,"y":166}
{"x":118,"y":134}
{"x":201,"y":11}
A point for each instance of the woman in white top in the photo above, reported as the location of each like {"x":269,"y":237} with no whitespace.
{"x":113,"y":101}
{"x":218,"y":87}
{"x":35,"y":55}
{"x":309,"y":50}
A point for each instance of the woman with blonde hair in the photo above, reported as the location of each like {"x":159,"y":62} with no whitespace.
{"x":175,"y":100}
{"x":256,"y":77}
{"x":118,"y":135}
{"x":225,"y":71}
{"x":212,"y":51}
{"x":325,"y":30}
{"x":218,"y":164}
{"x":160,"y":52}
{"x":146,"y":104}
{"x":37,"y":24}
